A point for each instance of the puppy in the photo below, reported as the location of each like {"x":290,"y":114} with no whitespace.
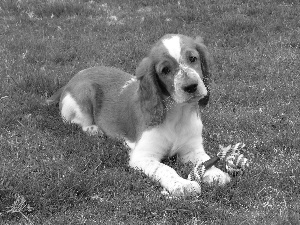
{"x":156,"y":112}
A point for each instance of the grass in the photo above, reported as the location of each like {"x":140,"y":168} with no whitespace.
{"x":52,"y":173}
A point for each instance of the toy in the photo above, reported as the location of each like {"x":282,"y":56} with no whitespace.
{"x":235,"y":162}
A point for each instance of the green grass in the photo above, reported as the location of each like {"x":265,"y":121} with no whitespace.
{"x":67,"y":177}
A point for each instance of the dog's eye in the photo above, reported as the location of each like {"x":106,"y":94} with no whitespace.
{"x":192,"y":59}
{"x":165,"y":70}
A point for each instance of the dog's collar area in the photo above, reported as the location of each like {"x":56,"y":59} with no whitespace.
{"x":169,"y":103}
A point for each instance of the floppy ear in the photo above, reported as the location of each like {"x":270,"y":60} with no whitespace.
{"x":206,"y":65}
{"x":150,"y":95}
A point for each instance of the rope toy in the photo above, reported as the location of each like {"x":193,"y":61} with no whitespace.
{"x":235,"y":162}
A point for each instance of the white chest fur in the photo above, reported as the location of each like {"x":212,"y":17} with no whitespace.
{"x":183,"y":124}
{"x":180,"y":131}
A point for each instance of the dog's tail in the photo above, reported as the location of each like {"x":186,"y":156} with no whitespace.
{"x":55,"y":97}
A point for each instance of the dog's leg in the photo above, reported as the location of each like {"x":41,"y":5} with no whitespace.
{"x":92,"y":130}
{"x":146,"y":157}
{"x":167,"y":177}
{"x":196,"y":154}
{"x":72,"y":113}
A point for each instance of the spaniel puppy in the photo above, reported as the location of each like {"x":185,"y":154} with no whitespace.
{"x":155,"y":112}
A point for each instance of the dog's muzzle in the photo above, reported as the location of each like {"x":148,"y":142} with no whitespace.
{"x":191,"y":88}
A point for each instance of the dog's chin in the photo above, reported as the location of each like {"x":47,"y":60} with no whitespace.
{"x":187,"y":99}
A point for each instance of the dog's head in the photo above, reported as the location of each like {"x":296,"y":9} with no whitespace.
{"x":178,"y":67}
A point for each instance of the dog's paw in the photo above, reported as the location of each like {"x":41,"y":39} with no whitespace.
{"x":185,"y":188}
{"x":92,"y":130}
{"x":216,"y":176}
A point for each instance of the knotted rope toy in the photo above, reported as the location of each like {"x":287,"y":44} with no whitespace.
{"x":235,"y":162}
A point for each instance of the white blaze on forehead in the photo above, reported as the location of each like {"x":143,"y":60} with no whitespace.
{"x":172,"y":44}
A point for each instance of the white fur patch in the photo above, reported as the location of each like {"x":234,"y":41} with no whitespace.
{"x":182,"y":126}
{"x":92,"y":130}
{"x":131,"y":145}
{"x":180,"y":133}
{"x":128,"y":82}
{"x":71,"y":112}
{"x":173,"y":46}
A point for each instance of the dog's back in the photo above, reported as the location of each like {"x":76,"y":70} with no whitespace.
{"x":90,"y":97}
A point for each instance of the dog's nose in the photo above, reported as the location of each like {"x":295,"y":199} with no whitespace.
{"x":192,"y":88}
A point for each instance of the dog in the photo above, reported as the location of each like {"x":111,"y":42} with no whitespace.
{"x":156,"y":112}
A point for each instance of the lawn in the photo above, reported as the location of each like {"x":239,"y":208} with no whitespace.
{"x":53,"y":173}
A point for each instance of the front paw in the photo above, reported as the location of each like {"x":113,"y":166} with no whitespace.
{"x":215,"y":175}
{"x":92,"y":130}
{"x":185,"y":188}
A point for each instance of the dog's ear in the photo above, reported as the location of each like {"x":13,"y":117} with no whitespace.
{"x":206,"y":65}
{"x":150,"y":95}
